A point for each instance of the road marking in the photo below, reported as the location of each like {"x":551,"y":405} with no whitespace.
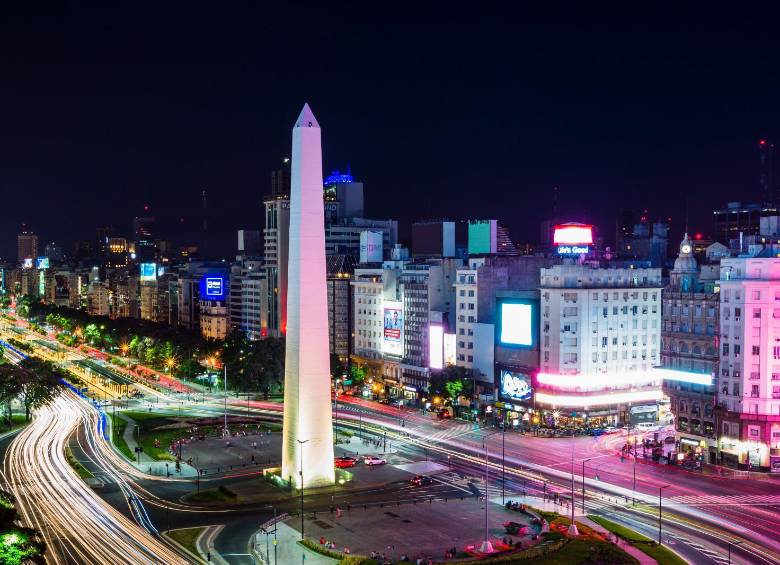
{"x":726,"y":500}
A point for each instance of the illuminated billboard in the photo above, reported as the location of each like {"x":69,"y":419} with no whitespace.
{"x":515,"y":387}
{"x":148,"y":271}
{"x":28,"y":263}
{"x":517,"y":324}
{"x":42,"y":263}
{"x":436,"y":347}
{"x":449,"y":349}
{"x":393,"y":335}
{"x":573,"y":239}
{"x":213,"y":286}
{"x":370,"y":247}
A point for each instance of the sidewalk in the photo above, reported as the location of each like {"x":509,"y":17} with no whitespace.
{"x":146,"y":464}
{"x":205,"y":545}
{"x":288,"y":550}
{"x":643,"y":558}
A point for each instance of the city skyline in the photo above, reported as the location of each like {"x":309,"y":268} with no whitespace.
{"x":601,"y":114}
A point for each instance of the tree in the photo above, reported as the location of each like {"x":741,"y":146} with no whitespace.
{"x":452,"y":382}
{"x":336,"y":366}
{"x":41,"y":383}
{"x":358,"y":374}
{"x":453,"y":389}
{"x":190,"y":368}
{"x":92,"y":334}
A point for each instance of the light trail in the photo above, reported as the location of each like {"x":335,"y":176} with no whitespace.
{"x":77,"y":525}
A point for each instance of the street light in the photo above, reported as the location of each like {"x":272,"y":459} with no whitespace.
{"x":660,"y":490}
{"x":583,"y":483}
{"x":487,"y":547}
{"x":573,"y":531}
{"x":734,"y":543}
{"x":300,"y":443}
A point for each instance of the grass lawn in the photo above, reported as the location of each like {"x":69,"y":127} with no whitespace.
{"x":78,"y":467}
{"x":583,"y":551}
{"x":221,"y":494}
{"x":165,"y":437}
{"x":642,"y":543}
{"x":17,"y":421}
{"x":140,"y":416}
{"x":186,"y":537}
{"x":118,"y":426}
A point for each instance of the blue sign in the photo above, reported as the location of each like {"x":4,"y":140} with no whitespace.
{"x":213,"y":286}
{"x":148,"y":271}
{"x":573,"y":250}
{"x":42,"y":263}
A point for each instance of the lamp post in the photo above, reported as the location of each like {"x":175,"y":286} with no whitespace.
{"x":503,"y":459}
{"x":300,"y":443}
{"x":583,"y":483}
{"x":225,"y":386}
{"x":633,"y":492}
{"x":573,"y":531}
{"x":660,"y":490}
{"x":487,"y":547}
{"x":734,"y":543}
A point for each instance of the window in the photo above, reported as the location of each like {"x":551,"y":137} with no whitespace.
{"x":735,"y":389}
{"x":757,"y":313}
{"x":756,"y":294}
{"x":726,"y":349}
{"x":737,"y":313}
{"x":776,"y":392}
{"x":776,"y":351}
{"x":756,"y":350}
{"x":754,"y":391}
{"x":737,"y":349}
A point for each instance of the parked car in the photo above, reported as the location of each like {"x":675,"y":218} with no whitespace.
{"x":420,"y":480}
{"x":443,"y":414}
{"x":384,"y":401}
{"x":596,"y":432}
{"x":344,"y":462}
{"x":371,"y":460}
{"x":611,"y":430}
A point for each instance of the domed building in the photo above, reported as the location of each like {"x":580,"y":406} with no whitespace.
{"x":688,"y":343}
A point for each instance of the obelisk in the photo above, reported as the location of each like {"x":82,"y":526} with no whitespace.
{"x":307,"y":443}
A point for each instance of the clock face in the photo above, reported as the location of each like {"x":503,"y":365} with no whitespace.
{"x":686,"y":248}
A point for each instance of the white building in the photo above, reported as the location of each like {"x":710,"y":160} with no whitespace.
{"x":600,"y":335}
{"x":749,"y":380}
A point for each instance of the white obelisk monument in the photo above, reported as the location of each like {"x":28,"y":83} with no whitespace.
{"x":307,"y":443}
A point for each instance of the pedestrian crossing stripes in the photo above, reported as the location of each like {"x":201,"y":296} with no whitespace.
{"x":450,"y":432}
{"x":727,"y":499}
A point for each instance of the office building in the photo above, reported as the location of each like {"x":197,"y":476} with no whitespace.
{"x":340,"y":270}
{"x":143,"y":237}
{"x":600,"y":338}
{"x":689,"y":343}
{"x":26,"y":246}
{"x":749,"y":379}
{"x":248,"y":287}
{"x":738,"y":220}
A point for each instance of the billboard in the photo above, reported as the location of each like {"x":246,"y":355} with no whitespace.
{"x":148,"y":271}
{"x":515,"y":387}
{"x":42,"y":263}
{"x":573,"y":239}
{"x":482,"y":236}
{"x":213,"y":286}
{"x":28,"y":263}
{"x":393,"y":335}
{"x":517,"y":324}
{"x":370,"y":247}
{"x":449,"y":349}
{"x":436,"y":347}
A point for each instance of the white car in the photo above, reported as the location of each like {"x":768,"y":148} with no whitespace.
{"x":373,"y":460}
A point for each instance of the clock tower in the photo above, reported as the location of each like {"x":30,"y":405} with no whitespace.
{"x":683,"y":276}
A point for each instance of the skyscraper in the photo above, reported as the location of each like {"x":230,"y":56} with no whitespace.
{"x":307,"y":444}
{"x":27,"y":246}
{"x":143,"y":235}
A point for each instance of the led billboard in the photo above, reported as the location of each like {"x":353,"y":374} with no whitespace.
{"x":148,"y":271}
{"x":28,"y":263}
{"x":573,"y":239}
{"x":482,"y":236}
{"x":42,"y":263}
{"x":393,"y":336}
{"x":517,"y":324}
{"x":213,"y":286}
{"x":449,"y":349}
{"x":436,"y":347}
{"x":515,"y":387}
{"x":370,"y":247}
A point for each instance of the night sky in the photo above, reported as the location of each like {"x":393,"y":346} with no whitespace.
{"x":441,"y":114}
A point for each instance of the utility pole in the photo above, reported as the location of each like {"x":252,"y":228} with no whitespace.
{"x":573,"y":527}
{"x":225,"y":386}
{"x":583,"y":483}
{"x":660,"y":490}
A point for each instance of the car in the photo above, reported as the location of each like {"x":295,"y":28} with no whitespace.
{"x":371,"y":460}
{"x":344,"y":462}
{"x":384,"y":401}
{"x":611,"y":430}
{"x":443,"y":414}
{"x":596,"y":432}
{"x":420,"y":480}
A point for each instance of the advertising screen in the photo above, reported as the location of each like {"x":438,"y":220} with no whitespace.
{"x":42,"y":263}
{"x":436,"y":347}
{"x":213,"y":287}
{"x":393,"y":337}
{"x":517,"y":324}
{"x":449,"y":349}
{"x":515,"y":387}
{"x":482,"y":236}
{"x":370,"y":247}
{"x":148,"y":271}
{"x":28,"y":263}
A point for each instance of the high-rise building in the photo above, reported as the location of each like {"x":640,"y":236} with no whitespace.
{"x":340,"y":270}
{"x":689,"y":339}
{"x":248,"y":287}
{"x":343,"y":197}
{"x":143,"y":236}
{"x":600,"y":338}
{"x":249,"y":243}
{"x":98,"y":303}
{"x":738,"y":220}
{"x":53,"y":251}
{"x":433,"y":239}
{"x":117,"y":253}
{"x":343,"y":237}
{"x":749,"y":379}
{"x":27,"y":246}
{"x":276,"y":245}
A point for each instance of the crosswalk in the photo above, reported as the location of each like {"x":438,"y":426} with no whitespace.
{"x":451,"y":431}
{"x":727,"y":499}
